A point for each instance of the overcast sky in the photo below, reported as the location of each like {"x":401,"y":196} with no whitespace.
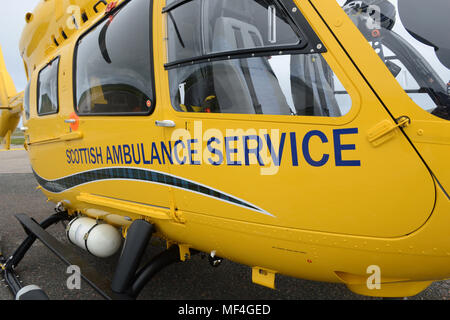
{"x":12,"y":22}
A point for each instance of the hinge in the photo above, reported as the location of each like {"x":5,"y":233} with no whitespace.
{"x":385,"y":130}
{"x":178,"y":216}
{"x":185,"y":252}
{"x":184,"y":249}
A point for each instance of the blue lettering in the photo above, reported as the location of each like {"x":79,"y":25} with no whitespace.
{"x":339,"y":147}
{"x":175,"y":152}
{"x":192,"y":152}
{"x":86,"y":154}
{"x":145,"y":161}
{"x":155,"y":153}
{"x":127,"y":154}
{"x":136,"y":160}
{"x":231,"y":151}
{"x":109,"y":157}
{"x":99,"y":155}
{"x":294,"y":149}
{"x":117,"y":153}
{"x":92,"y":158}
{"x":255,"y":151}
{"x":306,"y":152}
{"x":276,"y":157}
{"x":165,"y":152}
{"x":81,"y":155}
{"x":77,"y":156}
{"x":214,"y":152}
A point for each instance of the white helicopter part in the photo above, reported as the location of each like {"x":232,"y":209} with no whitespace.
{"x":100,"y":239}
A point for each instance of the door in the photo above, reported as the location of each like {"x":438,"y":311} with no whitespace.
{"x":411,"y":56}
{"x":111,"y":132}
{"x":43,"y":122}
{"x":275,"y":126}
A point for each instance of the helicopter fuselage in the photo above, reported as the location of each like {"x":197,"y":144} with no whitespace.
{"x":322,"y":193}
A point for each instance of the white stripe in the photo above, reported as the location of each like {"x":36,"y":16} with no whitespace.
{"x":162,"y":184}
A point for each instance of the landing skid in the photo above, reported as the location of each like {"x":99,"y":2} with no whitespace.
{"x":127,"y":282}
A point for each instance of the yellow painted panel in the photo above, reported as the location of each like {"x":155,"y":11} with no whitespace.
{"x":390,"y":193}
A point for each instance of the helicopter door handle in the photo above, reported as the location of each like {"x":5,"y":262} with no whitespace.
{"x":70,"y":121}
{"x":165,"y":123}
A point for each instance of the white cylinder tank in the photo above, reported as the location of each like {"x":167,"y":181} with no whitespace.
{"x":100,"y":239}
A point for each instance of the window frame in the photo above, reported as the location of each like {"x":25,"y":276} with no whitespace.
{"x":309,"y":42}
{"x":38,"y":89}
{"x":152,"y":66}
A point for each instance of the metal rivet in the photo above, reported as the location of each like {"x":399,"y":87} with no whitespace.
{"x":294,"y":9}
{"x":319,"y":46}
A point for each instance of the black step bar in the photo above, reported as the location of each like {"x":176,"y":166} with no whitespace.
{"x":127,"y":282}
{"x":69,"y":256}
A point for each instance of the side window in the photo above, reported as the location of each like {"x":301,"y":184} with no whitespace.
{"x":248,"y":57}
{"x":227,"y":26}
{"x":26,"y":101}
{"x":114,"y":73}
{"x":409,"y":38}
{"x":48,"y":89}
{"x":406,"y":79}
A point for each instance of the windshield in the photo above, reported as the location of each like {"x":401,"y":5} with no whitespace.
{"x":409,"y":36}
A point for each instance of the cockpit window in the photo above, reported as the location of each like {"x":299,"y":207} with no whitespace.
{"x":411,"y":37}
{"x":244,"y":57}
{"x":114,"y":74}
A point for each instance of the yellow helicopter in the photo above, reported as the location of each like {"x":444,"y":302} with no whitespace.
{"x":304,"y":138}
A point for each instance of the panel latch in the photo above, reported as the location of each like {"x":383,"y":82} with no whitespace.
{"x":385,"y":130}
